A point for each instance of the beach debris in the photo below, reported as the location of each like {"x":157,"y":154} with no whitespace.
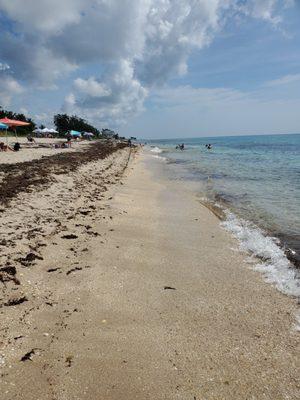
{"x":73,"y":270}
{"x":29,"y":259}
{"x":15,"y":301}
{"x":69,"y":360}
{"x":93,"y":233}
{"x":70,"y":236}
{"x":18,"y":337}
{"x":28,"y":355}
{"x":8,"y":273}
{"x":53,"y":269}
{"x":84,"y":212}
{"x":169,"y":288}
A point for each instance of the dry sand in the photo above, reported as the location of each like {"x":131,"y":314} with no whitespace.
{"x":41,"y":147}
{"x":138,"y":294}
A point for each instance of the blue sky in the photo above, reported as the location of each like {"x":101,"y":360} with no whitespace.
{"x":155,"y":68}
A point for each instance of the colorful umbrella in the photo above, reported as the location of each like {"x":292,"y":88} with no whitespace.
{"x":75,"y":133}
{"x":12,"y":123}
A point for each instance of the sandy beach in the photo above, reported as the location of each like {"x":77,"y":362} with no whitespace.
{"x":116,"y":283}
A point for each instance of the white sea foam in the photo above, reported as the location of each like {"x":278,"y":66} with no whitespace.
{"x":156,"y":150}
{"x":275,"y":266}
{"x":160,"y":158}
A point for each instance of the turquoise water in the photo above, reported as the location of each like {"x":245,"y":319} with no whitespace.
{"x":255,"y":177}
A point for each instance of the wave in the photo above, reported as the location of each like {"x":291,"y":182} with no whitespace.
{"x":275,"y":266}
{"x":156,"y":150}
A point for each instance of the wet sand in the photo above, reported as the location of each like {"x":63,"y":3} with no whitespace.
{"x":134,"y":291}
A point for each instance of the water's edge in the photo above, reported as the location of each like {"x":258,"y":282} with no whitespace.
{"x":266,"y":253}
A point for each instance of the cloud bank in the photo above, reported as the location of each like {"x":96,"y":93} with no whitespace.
{"x":132,"y":47}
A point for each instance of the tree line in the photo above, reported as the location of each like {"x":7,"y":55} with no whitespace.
{"x":63,"y":123}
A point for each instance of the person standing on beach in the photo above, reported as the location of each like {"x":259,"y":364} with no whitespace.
{"x":69,"y":139}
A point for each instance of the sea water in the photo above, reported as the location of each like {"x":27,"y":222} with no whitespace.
{"x":256,"y":181}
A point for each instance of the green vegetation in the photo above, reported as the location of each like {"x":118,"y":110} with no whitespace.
{"x":64,"y":123}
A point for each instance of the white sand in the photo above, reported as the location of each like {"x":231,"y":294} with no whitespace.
{"x":30,"y":152}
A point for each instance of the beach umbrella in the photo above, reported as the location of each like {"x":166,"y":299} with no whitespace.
{"x":13,"y":123}
{"x":75,"y":133}
{"x":88,"y":134}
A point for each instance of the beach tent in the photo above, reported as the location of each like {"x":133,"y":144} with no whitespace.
{"x":75,"y":133}
{"x":44,"y":131}
{"x":48,"y":130}
{"x":13,"y":123}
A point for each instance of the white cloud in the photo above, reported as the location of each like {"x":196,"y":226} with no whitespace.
{"x":46,"y":16}
{"x":195,"y":112}
{"x":112,"y":102}
{"x":138,"y":44}
{"x":268,"y":10}
{"x":9,"y":87}
{"x":4,"y":66}
{"x":91,"y":87}
{"x":284,"y":80}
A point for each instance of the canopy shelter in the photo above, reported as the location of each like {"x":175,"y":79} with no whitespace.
{"x":75,"y":133}
{"x":44,"y":131}
{"x":52,"y":130}
{"x":13,"y":123}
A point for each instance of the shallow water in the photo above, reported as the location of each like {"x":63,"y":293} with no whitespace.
{"x":256,"y":179}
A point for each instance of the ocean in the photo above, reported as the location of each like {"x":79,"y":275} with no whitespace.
{"x":255,"y":180}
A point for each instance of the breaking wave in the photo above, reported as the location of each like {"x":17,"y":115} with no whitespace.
{"x":156,"y":150}
{"x":274,"y":264}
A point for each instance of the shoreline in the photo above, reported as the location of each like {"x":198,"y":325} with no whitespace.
{"x":137,"y":292}
{"x":223,"y":209}
{"x":232,"y":189}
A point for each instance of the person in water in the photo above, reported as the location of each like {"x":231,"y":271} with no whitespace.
{"x":180,"y":147}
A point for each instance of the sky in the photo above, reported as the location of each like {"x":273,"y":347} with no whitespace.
{"x":154,"y":68}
